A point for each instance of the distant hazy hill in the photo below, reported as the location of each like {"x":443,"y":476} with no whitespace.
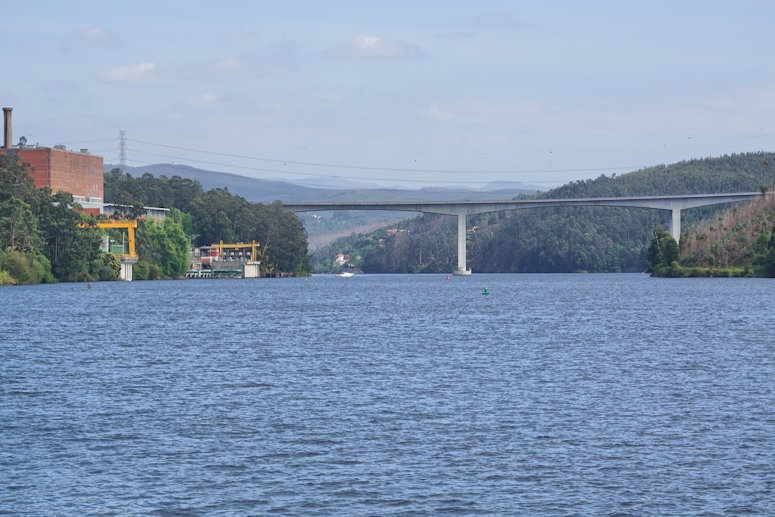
{"x":266,"y":191}
{"x":325,"y":227}
{"x":259,"y":191}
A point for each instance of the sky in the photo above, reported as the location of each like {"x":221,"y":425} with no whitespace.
{"x":399,"y":93}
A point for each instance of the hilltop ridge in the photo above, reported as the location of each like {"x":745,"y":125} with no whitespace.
{"x":332,"y":190}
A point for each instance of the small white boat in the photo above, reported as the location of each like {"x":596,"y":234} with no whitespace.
{"x":346,"y":274}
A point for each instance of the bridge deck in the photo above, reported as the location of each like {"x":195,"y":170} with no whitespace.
{"x":476,"y":207}
{"x":463,"y":208}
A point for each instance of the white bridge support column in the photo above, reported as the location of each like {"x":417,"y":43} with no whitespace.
{"x":126,"y":271}
{"x":461,"y":243}
{"x":675,"y":224}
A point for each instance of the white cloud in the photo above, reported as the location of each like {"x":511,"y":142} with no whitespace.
{"x":217,"y":70}
{"x":246,"y":65}
{"x":275,"y":60}
{"x":140,"y":73}
{"x":374,"y":47}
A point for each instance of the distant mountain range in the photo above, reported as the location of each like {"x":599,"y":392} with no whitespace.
{"x":324,"y":227}
{"x":332,"y":190}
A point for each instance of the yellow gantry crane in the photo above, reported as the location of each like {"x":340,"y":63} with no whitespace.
{"x":129,"y":226}
{"x":253,"y":247}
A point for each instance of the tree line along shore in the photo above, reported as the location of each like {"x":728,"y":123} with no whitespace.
{"x":43,"y":240}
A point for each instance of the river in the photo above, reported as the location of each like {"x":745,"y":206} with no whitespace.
{"x":389,"y":395}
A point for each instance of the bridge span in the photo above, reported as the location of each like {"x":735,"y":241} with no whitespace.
{"x":463,"y":208}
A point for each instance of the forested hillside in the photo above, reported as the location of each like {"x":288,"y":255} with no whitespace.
{"x":569,"y":239}
{"x":741,"y":237}
{"x":737,"y":242}
{"x":731,"y":173}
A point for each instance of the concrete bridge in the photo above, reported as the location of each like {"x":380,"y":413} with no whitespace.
{"x":463,"y":208}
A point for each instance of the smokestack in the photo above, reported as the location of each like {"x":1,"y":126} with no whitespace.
{"x":7,"y":137}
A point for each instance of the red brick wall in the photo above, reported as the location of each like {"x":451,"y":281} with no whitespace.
{"x":38,"y":160}
{"x":77,"y":173}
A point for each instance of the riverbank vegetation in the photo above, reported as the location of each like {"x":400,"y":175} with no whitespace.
{"x":556,"y":240}
{"x":205,"y":218}
{"x":41,"y":238}
{"x":739,"y":241}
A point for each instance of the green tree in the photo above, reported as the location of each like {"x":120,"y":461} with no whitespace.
{"x":662,"y":250}
{"x":283,"y":243}
{"x":18,"y":226}
{"x":218,"y":215}
{"x":70,"y":247}
{"x":30,"y":220}
{"x":212,"y":216}
{"x":164,"y":245}
{"x":106,"y":267}
{"x":768,"y":267}
{"x":24,"y":268}
{"x":18,"y":200}
{"x":177,"y":244}
{"x":15,"y":181}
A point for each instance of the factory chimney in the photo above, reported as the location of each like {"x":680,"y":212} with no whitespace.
{"x":7,"y":137}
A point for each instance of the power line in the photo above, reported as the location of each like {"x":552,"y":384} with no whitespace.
{"x":369,"y":168}
{"x":355,"y":178}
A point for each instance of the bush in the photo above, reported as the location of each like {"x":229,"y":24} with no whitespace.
{"x":155,"y":272}
{"x":140,"y":270}
{"x":44,"y":265}
{"x":106,"y":267}
{"x":21,"y":268}
{"x":144,"y":270}
{"x":662,"y":251}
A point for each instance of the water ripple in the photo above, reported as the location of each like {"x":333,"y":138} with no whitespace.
{"x":382,"y":395}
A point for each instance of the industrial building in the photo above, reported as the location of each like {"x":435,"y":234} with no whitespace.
{"x":79,"y":173}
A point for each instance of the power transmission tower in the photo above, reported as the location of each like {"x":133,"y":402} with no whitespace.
{"x":122,"y":150}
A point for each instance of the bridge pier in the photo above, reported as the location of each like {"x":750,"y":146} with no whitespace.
{"x":461,"y":246}
{"x":675,"y":224}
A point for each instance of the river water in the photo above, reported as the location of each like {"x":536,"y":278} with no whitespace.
{"x":389,"y":395}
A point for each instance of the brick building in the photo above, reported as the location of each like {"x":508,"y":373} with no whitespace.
{"x":79,"y":173}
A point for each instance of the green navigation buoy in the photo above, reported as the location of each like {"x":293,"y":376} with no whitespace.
{"x":486,"y":291}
